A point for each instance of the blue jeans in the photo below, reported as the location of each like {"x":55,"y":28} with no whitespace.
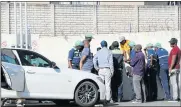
{"x":120,"y":91}
{"x":163,"y":75}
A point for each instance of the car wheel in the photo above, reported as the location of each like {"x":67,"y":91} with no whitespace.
{"x":61,"y":102}
{"x":86,"y":95}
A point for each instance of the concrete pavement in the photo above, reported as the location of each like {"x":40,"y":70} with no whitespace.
{"x":155,"y":103}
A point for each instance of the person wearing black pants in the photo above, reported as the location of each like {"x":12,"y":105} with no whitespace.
{"x":116,"y":80}
{"x":151,"y":76}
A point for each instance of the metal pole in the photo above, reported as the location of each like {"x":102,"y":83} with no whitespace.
{"x":26,"y":26}
{"x":21,"y":36}
{"x":15,"y":28}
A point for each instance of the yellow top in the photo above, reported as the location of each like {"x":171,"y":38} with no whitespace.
{"x":125,"y":47}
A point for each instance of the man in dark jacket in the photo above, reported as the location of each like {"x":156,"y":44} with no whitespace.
{"x":151,"y":75}
{"x":117,"y":77}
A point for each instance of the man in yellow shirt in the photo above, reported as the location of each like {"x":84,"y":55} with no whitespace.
{"x":124,"y":46}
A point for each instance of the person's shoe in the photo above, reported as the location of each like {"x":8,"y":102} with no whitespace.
{"x":173,"y":100}
{"x":19,"y":103}
{"x":144,"y":101}
{"x":112,"y":101}
{"x":120,"y":99}
{"x":137,"y":101}
{"x":115,"y":100}
{"x":106,"y":102}
{"x":99,"y":105}
{"x":132,"y":100}
{"x":168,"y":99}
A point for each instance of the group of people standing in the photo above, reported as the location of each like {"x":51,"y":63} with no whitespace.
{"x":146,"y":68}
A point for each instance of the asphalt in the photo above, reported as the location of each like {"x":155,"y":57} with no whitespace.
{"x":155,"y":103}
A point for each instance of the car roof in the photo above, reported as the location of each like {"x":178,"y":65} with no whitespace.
{"x":17,"y":49}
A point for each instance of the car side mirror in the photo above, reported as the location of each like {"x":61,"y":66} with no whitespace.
{"x":53,"y":64}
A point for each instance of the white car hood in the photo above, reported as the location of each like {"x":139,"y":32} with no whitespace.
{"x":78,"y":73}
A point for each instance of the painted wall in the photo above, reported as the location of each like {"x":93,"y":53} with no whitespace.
{"x":73,"y":20}
{"x":56,"y":48}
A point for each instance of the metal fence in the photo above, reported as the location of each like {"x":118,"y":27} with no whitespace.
{"x":76,"y":20}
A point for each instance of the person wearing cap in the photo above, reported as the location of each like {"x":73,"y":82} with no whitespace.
{"x":163,"y":72}
{"x":89,"y":37}
{"x":74,"y":55}
{"x":110,"y":47}
{"x":86,"y":62}
{"x":138,"y":64}
{"x":116,"y":82}
{"x":132,"y":55}
{"x":103,"y":63}
{"x":124,"y":46}
{"x":152,"y":67}
{"x":174,"y":69}
{"x":129,"y":69}
{"x":132,"y":51}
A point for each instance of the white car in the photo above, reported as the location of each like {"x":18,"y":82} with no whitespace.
{"x":29,"y":75}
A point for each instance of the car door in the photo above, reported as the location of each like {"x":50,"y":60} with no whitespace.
{"x":13,"y":72}
{"x":41,"y":78}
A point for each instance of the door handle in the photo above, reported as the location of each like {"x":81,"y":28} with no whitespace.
{"x":30,"y":72}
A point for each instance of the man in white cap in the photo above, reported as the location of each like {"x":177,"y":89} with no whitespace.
{"x":124,"y":46}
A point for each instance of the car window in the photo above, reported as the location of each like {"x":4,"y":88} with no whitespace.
{"x":32,"y":59}
{"x":7,"y":55}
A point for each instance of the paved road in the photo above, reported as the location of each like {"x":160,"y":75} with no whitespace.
{"x":156,"y":103}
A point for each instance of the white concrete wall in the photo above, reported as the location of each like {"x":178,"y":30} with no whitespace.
{"x":73,"y":20}
{"x":122,"y":3}
{"x":56,"y":48}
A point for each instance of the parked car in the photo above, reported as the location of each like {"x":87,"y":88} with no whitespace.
{"x":29,"y":75}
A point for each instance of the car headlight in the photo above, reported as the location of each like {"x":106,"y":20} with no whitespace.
{"x":100,"y":79}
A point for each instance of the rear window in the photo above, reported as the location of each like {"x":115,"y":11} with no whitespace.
{"x":8,"y":56}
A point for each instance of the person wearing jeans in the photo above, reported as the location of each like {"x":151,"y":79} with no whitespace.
{"x":163,"y":72}
{"x":132,"y":55}
{"x":174,"y":69}
{"x":138,"y":64}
